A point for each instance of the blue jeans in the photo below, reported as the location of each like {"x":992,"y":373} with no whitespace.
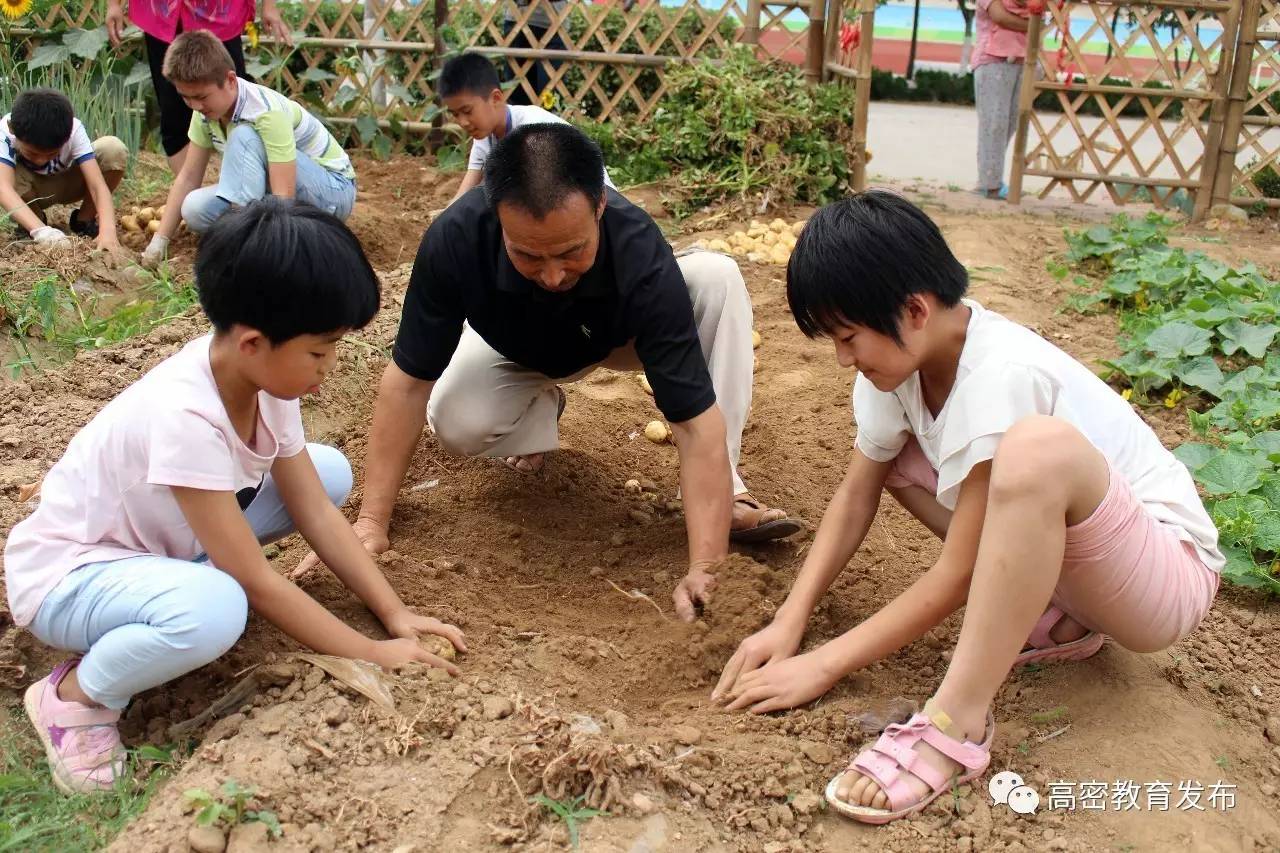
{"x":145,"y":620}
{"x":243,"y":180}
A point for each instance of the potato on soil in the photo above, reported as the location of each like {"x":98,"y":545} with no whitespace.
{"x":153,"y":226}
{"x":657,"y":432}
{"x":778,"y":225}
{"x":146,"y":215}
{"x":438,"y":646}
{"x":644,"y":383}
{"x":756,"y":340}
{"x":130,"y":223}
{"x":797,"y":227}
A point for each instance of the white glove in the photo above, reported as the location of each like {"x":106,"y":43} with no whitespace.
{"x":48,"y":234}
{"x":156,"y":249}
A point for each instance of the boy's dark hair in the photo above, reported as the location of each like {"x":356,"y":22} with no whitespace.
{"x":537,"y":166}
{"x":43,"y":118}
{"x":468,"y":73}
{"x":286,"y":269}
{"x":858,"y":260}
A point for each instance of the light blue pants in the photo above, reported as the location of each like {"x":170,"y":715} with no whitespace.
{"x":243,"y":180}
{"x":143,"y":621}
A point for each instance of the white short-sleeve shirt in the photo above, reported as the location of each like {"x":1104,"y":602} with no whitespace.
{"x":109,"y":496}
{"x":1007,"y":373}
{"x":517,"y":115}
{"x":74,"y":151}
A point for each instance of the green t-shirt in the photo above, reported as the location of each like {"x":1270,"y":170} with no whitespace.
{"x":284,"y":126}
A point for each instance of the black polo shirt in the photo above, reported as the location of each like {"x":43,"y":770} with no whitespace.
{"x":633,"y":292}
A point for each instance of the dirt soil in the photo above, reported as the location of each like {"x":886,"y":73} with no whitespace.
{"x":575,"y":687}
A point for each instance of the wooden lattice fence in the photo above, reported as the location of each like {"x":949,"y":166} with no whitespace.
{"x":1247,"y":171}
{"x":377,"y":58}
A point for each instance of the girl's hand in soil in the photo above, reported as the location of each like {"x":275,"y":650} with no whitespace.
{"x":411,"y":626}
{"x":783,"y":684}
{"x":393,"y":654}
{"x":371,"y":534}
{"x":693,"y":591}
{"x":775,"y":642}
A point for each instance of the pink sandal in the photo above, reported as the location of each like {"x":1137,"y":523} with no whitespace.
{"x":1044,"y":649}
{"x":81,"y":743}
{"x":890,"y":758}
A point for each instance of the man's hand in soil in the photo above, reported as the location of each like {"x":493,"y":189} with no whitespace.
{"x":371,"y":534}
{"x":775,"y":642}
{"x":692,"y":592}
{"x":393,"y":654}
{"x":411,"y":626}
{"x":783,"y":684}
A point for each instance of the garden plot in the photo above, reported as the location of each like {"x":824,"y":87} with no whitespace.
{"x":580,"y":696}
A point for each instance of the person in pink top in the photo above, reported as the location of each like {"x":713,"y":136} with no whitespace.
{"x":161,"y":21}
{"x":144,"y":555}
{"x":997,"y":77}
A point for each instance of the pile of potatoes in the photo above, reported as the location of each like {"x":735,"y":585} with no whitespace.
{"x":761,"y":243}
{"x":140,"y":219}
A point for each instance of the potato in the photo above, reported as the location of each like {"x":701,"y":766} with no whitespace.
{"x":134,"y":210}
{"x":146,"y":215}
{"x":130,"y":224}
{"x":769,"y":238}
{"x":153,"y":226}
{"x":797,"y":227}
{"x":778,"y":225}
{"x":719,"y":246}
{"x":644,"y":383}
{"x":756,"y":340}
{"x":787,"y":239}
{"x":657,"y":432}
{"x":632,"y":487}
{"x":438,"y":646}
{"x":756,"y":257}
{"x":780,"y":256}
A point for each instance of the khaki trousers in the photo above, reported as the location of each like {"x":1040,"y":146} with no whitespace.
{"x":67,"y":187}
{"x":487,"y":405}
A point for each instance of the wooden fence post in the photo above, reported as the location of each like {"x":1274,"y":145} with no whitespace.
{"x":862,"y":95}
{"x":1232,"y":27}
{"x":815,"y":51}
{"x":1026,"y":101}
{"x":835,"y":20}
{"x":751,"y":26}
{"x":1238,"y":93}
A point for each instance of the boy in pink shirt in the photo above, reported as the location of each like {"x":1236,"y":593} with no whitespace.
{"x":144,"y":554}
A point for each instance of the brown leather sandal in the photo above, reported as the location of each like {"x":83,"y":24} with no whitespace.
{"x":758,"y":530}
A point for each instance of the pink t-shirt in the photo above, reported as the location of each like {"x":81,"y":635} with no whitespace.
{"x":161,"y":18}
{"x":995,"y":43}
{"x":108,"y":497}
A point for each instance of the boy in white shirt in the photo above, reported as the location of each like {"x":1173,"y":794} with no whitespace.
{"x":1063,"y":518}
{"x":472,"y":94}
{"x":145,"y":554}
{"x":46,"y":158}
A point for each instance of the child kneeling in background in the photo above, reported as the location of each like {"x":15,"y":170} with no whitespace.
{"x":1063,"y":518}
{"x":46,"y":158}
{"x":269,"y":145}
{"x":145,"y":554}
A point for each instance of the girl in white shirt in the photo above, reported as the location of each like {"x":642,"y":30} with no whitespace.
{"x":1063,"y":518}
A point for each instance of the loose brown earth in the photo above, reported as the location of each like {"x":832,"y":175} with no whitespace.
{"x":573,"y":687}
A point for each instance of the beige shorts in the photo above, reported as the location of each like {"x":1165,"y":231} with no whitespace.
{"x":67,"y":187}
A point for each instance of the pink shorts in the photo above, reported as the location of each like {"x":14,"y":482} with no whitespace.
{"x":1124,"y":573}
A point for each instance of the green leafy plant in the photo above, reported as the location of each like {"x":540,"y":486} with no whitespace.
{"x":230,"y":807}
{"x":741,"y":129}
{"x":1200,"y":333}
{"x":569,"y":811}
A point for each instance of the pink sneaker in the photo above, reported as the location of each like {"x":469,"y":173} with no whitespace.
{"x":81,"y":743}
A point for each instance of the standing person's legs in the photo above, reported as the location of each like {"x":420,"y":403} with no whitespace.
{"x":175,"y":115}
{"x":518,"y":95}
{"x":991,"y":95}
{"x":1014,"y":70}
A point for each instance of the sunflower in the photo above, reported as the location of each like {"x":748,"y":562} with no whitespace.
{"x":250,"y":30}
{"x":15,"y":9}
{"x":549,"y":99}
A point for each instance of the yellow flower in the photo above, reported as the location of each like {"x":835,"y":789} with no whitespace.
{"x":15,"y":9}
{"x":250,"y":29}
{"x":548,"y":99}
{"x":1174,"y":396}
{"x":1127,"y":393}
